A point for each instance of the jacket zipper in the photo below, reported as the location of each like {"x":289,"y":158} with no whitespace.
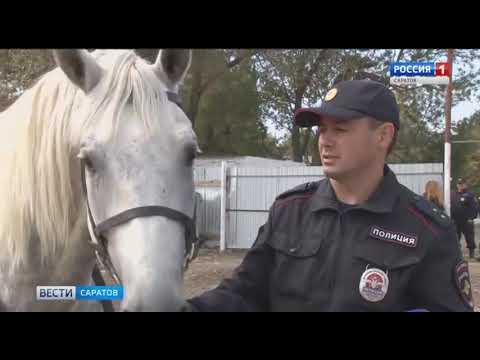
{"x":332,"y":272}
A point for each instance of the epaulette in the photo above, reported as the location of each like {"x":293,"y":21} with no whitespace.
{"x":430,"y":210}
{"x":300,"y":189}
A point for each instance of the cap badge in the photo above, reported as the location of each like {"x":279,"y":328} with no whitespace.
{"x":331,"y":94}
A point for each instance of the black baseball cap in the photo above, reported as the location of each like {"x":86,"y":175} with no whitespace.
{"x":461,"y":181}
{"x":353,"y":99}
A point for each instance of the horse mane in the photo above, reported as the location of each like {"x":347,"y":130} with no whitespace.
{"x":41,"y":205}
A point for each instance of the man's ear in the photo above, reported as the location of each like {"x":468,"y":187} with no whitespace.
{"x":387,"y":131}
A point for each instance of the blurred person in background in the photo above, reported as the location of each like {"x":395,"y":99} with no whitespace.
{"x":433,"y":193}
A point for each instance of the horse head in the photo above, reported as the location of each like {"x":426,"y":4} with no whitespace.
{"x":135,"y":148}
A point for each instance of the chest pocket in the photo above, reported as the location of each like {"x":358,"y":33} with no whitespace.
{"x":386,"y":263}
{"x":295,"y":246}
{"x":297,"y":260}
{"x":386,"y":256}
{"x":397,"y":262}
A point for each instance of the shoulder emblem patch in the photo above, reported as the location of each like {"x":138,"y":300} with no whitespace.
{"x":462,"y":281}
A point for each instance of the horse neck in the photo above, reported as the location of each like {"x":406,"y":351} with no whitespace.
{"x":73,"y":267}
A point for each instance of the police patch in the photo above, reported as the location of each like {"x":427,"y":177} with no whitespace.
{"x":373,"y":285}
{"x":393,"y":236}
{"x":462,"y":280}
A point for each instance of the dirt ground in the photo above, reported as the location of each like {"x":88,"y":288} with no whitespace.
{"x":210,"y":267}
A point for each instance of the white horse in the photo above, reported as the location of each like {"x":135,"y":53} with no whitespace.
{"x":111,"y":110}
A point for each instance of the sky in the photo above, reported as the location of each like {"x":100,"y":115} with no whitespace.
{"x":464,"y":109}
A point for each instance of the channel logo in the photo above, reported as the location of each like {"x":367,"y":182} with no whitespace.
{"x":420,"y":73}
{"x":79,"y":293}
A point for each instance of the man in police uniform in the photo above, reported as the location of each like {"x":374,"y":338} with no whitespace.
{"x":357,"y":240}
{"x":464,"y":211}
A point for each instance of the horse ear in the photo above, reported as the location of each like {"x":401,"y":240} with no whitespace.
{"x":174,"y":64}
{"x":80,"y":67}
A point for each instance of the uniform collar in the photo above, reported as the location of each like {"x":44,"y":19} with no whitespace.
{"x":382,"y":200}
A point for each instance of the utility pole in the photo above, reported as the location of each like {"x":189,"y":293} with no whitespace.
{"x":448,"y":134}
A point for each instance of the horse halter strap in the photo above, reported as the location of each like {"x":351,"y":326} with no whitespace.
{"x":98,"y":240}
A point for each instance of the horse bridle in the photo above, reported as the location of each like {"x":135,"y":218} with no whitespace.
{"x":98,"y":241}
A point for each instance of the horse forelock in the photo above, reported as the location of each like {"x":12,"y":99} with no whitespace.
{"x":39,"y":134}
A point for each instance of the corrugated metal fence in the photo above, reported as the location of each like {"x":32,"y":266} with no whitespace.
{"x":249,"y":193}
{"x":207,"y":184}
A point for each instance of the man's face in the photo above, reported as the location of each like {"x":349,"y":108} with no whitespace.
{"x":348,"y":147}
{"x":461,"y":187}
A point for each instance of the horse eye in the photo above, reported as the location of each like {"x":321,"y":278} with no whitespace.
{"x":192,"y":152}
{"x":86,"y":156}
{"x":87,"y":162}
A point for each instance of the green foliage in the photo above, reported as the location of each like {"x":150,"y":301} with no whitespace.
{"x":19,"y":68}
{"x":416,"y":141}
{"x":228,"y":121}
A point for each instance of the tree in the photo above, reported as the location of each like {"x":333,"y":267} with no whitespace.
{"x":228,"y":120}
{"x":208,"y":66}
{"x":291,"y":79}
{"x":416,"y":141}
{"x":19,"y":68}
